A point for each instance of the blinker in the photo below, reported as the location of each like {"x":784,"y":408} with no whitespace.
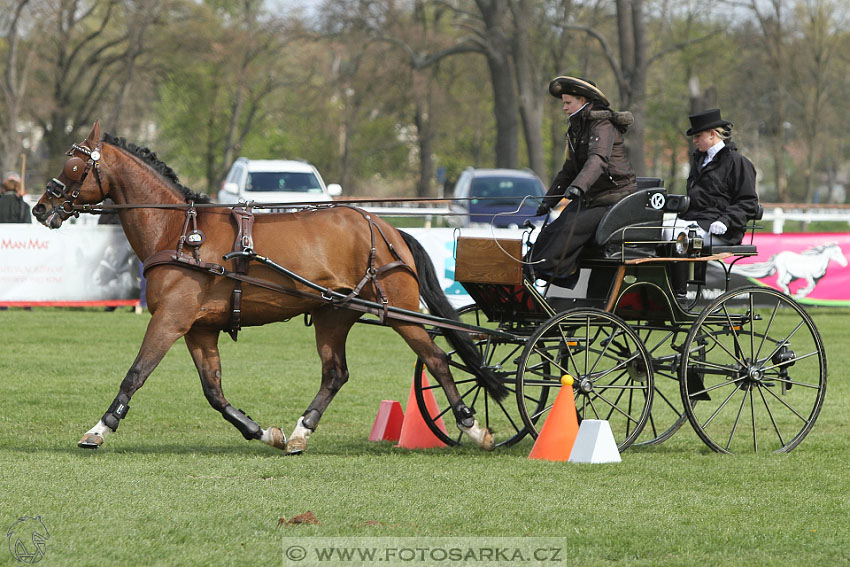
{"x":74,"y":169}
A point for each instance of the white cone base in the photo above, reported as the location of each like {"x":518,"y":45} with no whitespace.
{"x":595,"y":443}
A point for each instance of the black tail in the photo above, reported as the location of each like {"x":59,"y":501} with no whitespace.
{"x":436,"y":300}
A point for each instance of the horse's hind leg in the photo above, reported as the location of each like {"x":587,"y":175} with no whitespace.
{"x":332,"y":329}
{"x":437,"y":363}
{"x":159,"y":336}
{"x":203,"y":346}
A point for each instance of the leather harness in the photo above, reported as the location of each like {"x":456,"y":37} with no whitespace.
{"x":243,"y":254}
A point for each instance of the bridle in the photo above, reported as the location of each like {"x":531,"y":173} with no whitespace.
{"x":76,"y":169}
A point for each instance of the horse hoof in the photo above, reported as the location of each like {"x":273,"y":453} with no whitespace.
{"x":489,"y":442}
{"x":276,"y":438}
{"x":296,"y":446}
{"x":481,"y":436}
{"x":90,"y":441}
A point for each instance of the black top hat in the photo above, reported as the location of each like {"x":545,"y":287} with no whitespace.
{"x":576,"y":87}
{"x":706,"y":120}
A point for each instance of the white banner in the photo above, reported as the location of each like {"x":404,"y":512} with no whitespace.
{"x":75,"y":265}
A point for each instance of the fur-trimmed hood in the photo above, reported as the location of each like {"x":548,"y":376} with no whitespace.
{"x":622,"y":120}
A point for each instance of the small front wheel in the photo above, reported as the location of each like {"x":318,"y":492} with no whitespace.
{"x":500,"y":417}
{"x":610,"y":366}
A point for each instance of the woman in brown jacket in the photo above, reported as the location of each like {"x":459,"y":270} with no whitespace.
{"x":595,"y":175}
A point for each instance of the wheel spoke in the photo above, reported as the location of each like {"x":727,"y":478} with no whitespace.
{"x":772,"y":419}
{"x":733,"y":330}
{"x":767,"y":329}
{"x":737,"y":419}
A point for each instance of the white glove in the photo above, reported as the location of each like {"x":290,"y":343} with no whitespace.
{"x":717,"y":227}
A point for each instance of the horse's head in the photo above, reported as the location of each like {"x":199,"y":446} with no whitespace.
{"x":835,"y":253}
{"x":73,"y":185}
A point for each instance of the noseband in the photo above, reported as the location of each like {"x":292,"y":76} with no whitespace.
{"x":75,"y":169}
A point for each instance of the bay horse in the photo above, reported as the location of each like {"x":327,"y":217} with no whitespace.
{"x":335,"y":247}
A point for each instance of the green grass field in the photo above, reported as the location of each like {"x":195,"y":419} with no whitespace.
{"x":177,"y":485}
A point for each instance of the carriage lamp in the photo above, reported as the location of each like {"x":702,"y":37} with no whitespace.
{"x":688,"y":244}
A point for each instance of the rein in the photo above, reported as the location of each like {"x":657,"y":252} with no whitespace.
{"x":100,"y":208}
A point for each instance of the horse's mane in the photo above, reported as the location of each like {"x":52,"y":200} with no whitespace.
{"x":149,"y":157}
{"x":815,"y":250}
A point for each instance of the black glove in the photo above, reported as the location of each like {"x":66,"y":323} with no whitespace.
{"x":574,"y":192}
{"x":543,"y":209}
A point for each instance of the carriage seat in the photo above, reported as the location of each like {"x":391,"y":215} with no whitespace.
{"x":740,"y":249}
{"x":636,"y":220}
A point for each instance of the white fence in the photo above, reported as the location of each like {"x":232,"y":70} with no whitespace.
{"x":778,"y":213}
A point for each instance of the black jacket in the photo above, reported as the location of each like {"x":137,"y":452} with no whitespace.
{"x":724,"y":190}
{"x":13,"y":208}
{"x":596,"y":158}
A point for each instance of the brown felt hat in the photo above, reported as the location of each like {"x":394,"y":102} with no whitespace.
{"x":576,"y":87}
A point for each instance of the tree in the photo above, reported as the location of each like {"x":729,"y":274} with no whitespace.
{"x":228,"y":60}
{"x":774,"y":36}
{"x":17,"y":60}
{"x":81,"y":72}
{"x":813,"y":78}
{"x":529,"y":81}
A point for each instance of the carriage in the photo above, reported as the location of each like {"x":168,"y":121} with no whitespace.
{"x":747,"y":368}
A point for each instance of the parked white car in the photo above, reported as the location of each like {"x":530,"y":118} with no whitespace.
{"x":275,"y":181}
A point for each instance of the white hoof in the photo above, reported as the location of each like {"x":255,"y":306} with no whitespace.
{"x":297,"y":443}
{"x":482,"y":437}
{"x":274,"y":437}
{"x":95,"y":436}
{"x":90,"y":441}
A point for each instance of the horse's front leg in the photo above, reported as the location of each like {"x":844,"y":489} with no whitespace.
{"x":161,"y":333}
{"x":203,"y":346}
{"x":437,"y":363}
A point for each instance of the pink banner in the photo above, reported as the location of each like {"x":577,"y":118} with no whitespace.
{"x":811,"y":267}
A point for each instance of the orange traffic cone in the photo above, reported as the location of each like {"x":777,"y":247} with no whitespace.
{"x":415,"y":433}
{"x":556,"y":438}
{"x":387,"y":426}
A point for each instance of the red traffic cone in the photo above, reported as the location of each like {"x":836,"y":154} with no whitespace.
{"x":415,"y":433}
{"x":387,"y":426}
{"x":558,"y":434}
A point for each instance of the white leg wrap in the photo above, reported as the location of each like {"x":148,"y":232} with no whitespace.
{"x":480,"y":436}
{"x":100,"y":429}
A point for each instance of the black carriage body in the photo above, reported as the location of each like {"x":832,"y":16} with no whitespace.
{"x":628,"y":339}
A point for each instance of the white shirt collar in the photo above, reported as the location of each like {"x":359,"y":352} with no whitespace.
{"x":580,"y":109}
{"x":712,"y":151}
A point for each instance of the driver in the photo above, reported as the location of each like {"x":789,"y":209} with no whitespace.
{"x":596,"y":174}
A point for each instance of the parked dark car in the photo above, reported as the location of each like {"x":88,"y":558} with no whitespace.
{"x":493,"y":196}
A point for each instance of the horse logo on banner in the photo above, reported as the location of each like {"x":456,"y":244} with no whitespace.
{"x":809,"y":265}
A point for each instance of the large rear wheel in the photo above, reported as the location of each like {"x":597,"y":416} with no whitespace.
{"x":756,"y":365}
